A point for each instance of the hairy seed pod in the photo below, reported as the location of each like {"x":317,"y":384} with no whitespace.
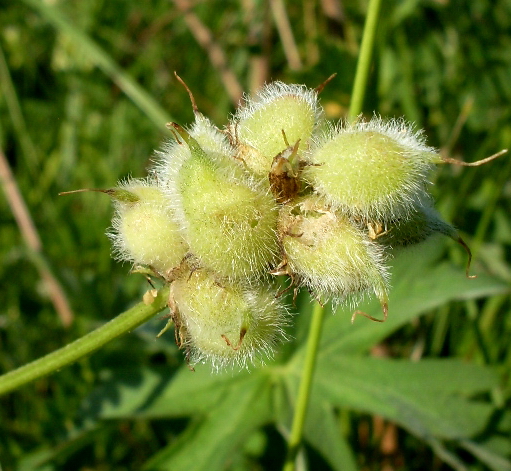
{"x":229,"y":222}
{"x":224,"y":323}
{"x":144,"y":230}
{"x":373,"y":171}
{"x":328,"y":254}
{"x":278,"y":112}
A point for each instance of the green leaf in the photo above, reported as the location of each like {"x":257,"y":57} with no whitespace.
{"x":490,"y":458}
{"x":160,"y":394}
{"x":429,"y":397}
{"x":323,"y":432}
{"x":37,"y":460}
{"x":221,"y":432}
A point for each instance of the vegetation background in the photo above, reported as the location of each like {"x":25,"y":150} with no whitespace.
{"x":86,"y":89}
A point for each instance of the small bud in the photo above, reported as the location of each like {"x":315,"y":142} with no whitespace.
{"x":328,"y":254}
{"x":224,"y":323}
{"x":144,"y":231}
{"x":374,"y":170}
{"x":259,"y":124}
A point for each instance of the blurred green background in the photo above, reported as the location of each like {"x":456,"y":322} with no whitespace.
{"x":86,"y":89}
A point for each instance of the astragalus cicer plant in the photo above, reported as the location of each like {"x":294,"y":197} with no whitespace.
{"x":279,"y":192}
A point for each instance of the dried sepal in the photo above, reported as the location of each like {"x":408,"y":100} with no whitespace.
{"x":284,"y":174}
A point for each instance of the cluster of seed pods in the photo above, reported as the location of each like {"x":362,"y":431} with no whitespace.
{"x":279,"y":192}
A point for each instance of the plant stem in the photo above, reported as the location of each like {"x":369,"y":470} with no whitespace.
{"x":302,"y":400}
{"x":364,"y":60}
{"x":357,"y":98}
{"x":123,"y":323}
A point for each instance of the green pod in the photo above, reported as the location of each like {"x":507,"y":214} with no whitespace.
{"x":144,"y":229}
{"x":278,"y":116}
{"x":225,"y":323}
{"x":328,"y":254}
{"x":373,"y":171}
{"x":229,"y":221}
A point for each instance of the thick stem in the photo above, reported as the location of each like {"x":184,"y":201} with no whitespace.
{"x":364,"y":60}
{"x":85,"y":345}
{"x":302,"y":400}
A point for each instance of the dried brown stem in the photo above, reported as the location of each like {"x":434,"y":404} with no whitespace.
{"x":190,"y":94}
{"x":320,"y":87}
{"x":310,"y":28}
{"x":385,"y":309}
{"x":257,"y":22}
{"x":286,"y":34}
{"x":216,"y":55}
{"x":469,"y":253}
{"x":32,"y":240}
{"x":229,"y":343}
{"x":449,"y":160}
{"x":81,"y":190}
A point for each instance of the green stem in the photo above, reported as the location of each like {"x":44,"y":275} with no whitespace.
{"x":302,"y":400}
{"x":364,"y":60}
{"x":357,"y":98}
{"x":52,"y":362}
